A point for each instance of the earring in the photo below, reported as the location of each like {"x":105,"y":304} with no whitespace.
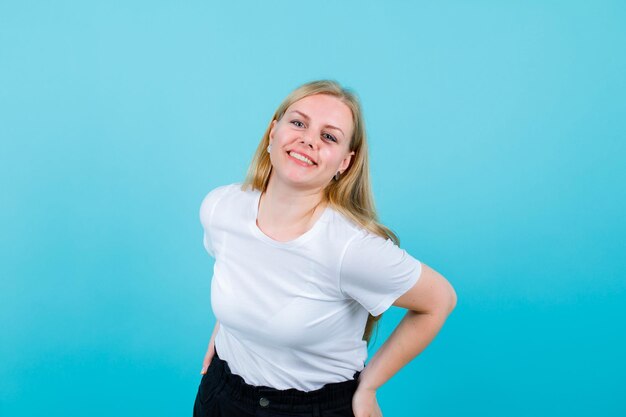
{"x":336,"y":176}
{"x":269,"y":148}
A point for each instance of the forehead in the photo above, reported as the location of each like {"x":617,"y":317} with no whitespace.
{"x":324,"y":109}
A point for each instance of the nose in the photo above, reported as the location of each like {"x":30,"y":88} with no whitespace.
{"x":307,"y":139}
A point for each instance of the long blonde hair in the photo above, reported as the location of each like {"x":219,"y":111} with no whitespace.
{"x":351,"y":195}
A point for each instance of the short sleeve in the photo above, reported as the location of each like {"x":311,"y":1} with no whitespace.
{"x":376,"y":272}
{"x":206,"y":215}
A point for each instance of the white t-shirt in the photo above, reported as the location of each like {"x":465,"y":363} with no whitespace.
{"x":292,"y":314}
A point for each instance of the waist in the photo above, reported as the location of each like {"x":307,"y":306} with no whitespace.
{"x":330,"y":395}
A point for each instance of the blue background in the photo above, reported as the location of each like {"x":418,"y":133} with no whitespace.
{"x":497,"y":137}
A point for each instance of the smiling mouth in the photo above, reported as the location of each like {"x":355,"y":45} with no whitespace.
{"x":301,"y":158}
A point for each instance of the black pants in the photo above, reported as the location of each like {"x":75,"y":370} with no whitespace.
{"x":224,"y":394}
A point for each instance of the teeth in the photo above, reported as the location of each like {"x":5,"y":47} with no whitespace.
{"x":301,"y":158}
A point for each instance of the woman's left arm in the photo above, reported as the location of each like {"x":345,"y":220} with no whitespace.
{"x":429,"y":302}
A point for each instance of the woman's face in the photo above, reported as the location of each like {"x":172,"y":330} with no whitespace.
{"x":317,"y":128}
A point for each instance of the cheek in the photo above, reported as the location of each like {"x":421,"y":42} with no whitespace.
{"x":331,"y":158}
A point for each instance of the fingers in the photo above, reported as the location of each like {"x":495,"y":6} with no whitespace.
{"x":208,"y":357}
{"x":204,"y":368}
{"x":206,"y":364}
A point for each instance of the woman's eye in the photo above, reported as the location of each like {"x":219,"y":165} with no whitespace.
{"x":330,"y":137}
{"x":297,"y":123}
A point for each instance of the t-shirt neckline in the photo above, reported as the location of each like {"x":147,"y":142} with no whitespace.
{"x":254,"y":211}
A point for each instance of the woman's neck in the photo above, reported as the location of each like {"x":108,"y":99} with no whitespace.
{"x":284,"y":210}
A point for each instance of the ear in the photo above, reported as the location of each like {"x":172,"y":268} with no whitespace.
{"x":345,"y":162}
{"x":272,"y":125}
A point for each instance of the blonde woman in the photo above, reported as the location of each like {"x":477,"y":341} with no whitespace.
{"x":303,"y":271}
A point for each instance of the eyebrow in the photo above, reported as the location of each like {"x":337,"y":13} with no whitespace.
{"x":308,"y":118}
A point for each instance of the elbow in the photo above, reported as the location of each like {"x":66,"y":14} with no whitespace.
{"x":451,"y":300}
{"x":445,"y":304}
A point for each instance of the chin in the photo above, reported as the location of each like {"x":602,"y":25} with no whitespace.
{"x":299,"y":181}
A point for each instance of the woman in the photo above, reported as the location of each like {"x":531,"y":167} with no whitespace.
{"x":303,"y":271}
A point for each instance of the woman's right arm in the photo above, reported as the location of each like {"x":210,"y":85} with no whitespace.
{"x":210,"y":350}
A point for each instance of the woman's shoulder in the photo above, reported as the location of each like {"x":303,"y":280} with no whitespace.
{"x":217,"y":194}
{"x":360,"y":240}
{"x":351,"y":229}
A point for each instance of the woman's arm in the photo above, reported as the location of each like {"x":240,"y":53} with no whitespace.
{"x":429,"y":302}
{"x":210,"y":350}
